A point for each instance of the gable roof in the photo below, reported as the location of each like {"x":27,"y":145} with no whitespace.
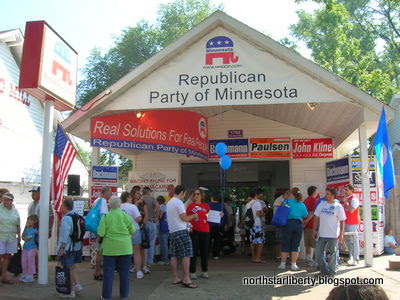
{"x":354,"y":95}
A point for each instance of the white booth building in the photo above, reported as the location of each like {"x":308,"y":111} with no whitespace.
{"x":250,"y":87}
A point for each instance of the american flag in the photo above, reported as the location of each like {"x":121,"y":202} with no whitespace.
{"x":64,"y":154}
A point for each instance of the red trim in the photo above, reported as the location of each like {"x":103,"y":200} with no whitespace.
{"x":30,"y":63}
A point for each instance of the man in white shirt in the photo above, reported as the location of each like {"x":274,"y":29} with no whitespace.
{"x":106,"y":194}
{"x":180,"y":242}
{"x":34,"y":207}
{"x":256,"y":232}
{"x":330,"y":217}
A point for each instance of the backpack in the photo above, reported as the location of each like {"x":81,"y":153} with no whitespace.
{"x":78,"y":228}
{"x":249,"y":218}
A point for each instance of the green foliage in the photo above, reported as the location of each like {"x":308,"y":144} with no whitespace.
{"x":358,"y":40}
{"x":138,"y":43}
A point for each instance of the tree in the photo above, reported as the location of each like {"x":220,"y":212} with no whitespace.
{"x":137,"y":44}
{"x":131,"y":48}
{"x":356,"y":39}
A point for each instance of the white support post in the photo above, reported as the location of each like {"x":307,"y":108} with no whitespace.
{"x":368,"y":244}
{"x":45,"y":191}
{"x":95,"y":158}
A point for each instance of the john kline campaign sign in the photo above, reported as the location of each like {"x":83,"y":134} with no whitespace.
{"x":174,"y":131}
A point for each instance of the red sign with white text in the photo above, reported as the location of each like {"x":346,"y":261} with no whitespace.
{"x":173,"y":131}
{"x":96,"y":192}
{"x":339,"y":187}
{"x":312,"y":148}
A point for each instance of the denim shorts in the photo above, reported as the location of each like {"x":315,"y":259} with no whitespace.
{"x":137,"y":237}
{"x":70,"y":258}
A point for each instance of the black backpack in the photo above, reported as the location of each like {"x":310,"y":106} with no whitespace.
{"x":78,"y":228}
{"x":249,"y":218}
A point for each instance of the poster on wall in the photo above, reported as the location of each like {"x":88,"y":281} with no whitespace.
{"x":270,"y":147}
{"x":338,"y":170}
{"x":312,"y":148}
{"x":173,"y":131}
{"x":158,"y":181}
{"x":235,"y":148}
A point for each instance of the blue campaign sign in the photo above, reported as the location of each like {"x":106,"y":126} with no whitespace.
{"x":338,"y":170}
{"x":104,"y":174}
{"x":236,"y":147}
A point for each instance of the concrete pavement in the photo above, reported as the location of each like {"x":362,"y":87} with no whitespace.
{"x":225,"y":282}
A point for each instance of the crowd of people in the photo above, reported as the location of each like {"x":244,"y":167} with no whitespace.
{"x":131,"y":224}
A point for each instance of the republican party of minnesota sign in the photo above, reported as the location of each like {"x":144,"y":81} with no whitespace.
{"x":174,"y":131}
{"x":222,"y":68}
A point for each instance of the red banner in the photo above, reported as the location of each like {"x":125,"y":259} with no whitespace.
{"x":339,"y":187}
{"x":96,"y":192}
{"x":174,"y":131}
{"x":312,"y":148}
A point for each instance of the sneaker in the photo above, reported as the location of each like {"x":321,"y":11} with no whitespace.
{"x":315,"y":264}
{"x":204,"y":275}
{"x":71,"y":295}
{"x":132,"y":270}
{"x":161,"y":263}
{"x":22,"y":278}
{"x":28,"y":279}
{"x":139,"y":275}
{"x":216,"y":257}
{"x":78,"y":288}
{"x":282,"y":266}
{"x":351,"y":262}
{"x":192,"y":276}
{"x":294,"y":267}
{"x":310,"y":263}
{"x":146,"y":270}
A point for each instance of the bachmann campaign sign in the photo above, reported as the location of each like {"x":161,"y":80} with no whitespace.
{"x":174,"y":131}
{"x":235,"y":147}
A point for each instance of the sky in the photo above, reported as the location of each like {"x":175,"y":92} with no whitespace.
{"x":86,"y":24}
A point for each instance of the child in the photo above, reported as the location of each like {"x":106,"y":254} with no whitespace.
{"x":30,"y":249}
{"x":391,"y":246}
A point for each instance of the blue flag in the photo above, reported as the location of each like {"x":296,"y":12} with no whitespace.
{"x":384,"y":157}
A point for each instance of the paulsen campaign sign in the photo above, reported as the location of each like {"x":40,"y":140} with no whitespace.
{"x":174,"y":131}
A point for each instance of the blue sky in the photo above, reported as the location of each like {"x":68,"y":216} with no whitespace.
{"x":85,"y":24}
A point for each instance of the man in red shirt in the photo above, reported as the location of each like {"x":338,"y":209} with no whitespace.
{"x":309,"y":240}
{"x":351,"y":206}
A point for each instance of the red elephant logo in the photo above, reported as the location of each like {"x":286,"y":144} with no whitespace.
{"x":220,"y":47}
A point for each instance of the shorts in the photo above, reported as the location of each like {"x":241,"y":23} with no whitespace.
{"x":8,"y":247}
{"x":278,"y":234}
{"x":257,"y":235}
{"x":180,"y":244}
{"x":137,"y":237}
{"x":70,"y":258}
{"x":309,"y":240}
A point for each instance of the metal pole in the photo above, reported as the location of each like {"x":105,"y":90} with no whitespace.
{"x":368,"y":244}
{"x":45,"y":191}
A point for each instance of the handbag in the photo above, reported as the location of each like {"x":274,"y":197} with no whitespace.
{"x":15,"y":265}
{"x":93,"y":217}
{"x":281,"y":216}
{"x":62,"y":279}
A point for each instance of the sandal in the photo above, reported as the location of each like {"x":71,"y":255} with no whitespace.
{"x":7,"y":281}
{"x":189,"y":285}
{"x":98,"y":277}
{"x":178,"y":282}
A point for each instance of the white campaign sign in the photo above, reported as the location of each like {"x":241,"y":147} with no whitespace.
{"x":58,"y":70}
{"x":223,"y":69}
